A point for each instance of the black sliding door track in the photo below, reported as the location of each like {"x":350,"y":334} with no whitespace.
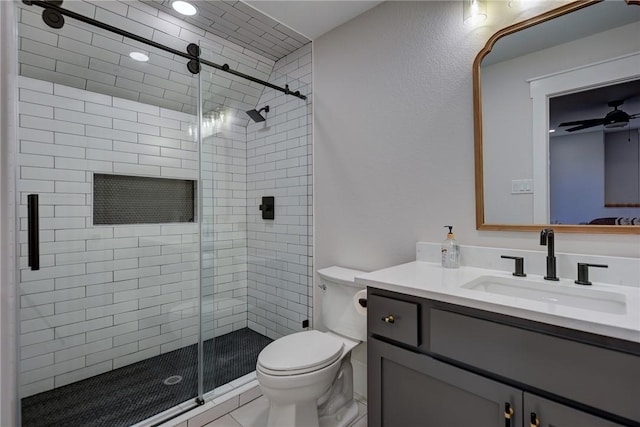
{"x":192,"y":53}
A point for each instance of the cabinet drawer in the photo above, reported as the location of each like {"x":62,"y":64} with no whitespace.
{"x":394,"y":319}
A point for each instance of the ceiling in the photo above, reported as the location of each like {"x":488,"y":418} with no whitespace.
{"x":312,"y":18}
{"x":238,"y":23}
{"x":83,"y":56}
{"x":592,"y":104}
{"x":248,"y":36}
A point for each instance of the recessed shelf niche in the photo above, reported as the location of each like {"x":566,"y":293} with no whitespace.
{"x":125,"y":199}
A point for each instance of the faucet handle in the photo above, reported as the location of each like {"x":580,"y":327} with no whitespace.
{"x":519,"y":265}
{"x":583,"y":272}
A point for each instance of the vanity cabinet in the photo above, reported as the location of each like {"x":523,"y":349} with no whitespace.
{"x":413,"y":389}
{"x":436,"y":364}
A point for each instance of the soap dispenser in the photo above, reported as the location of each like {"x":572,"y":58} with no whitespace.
{"x":450,"y":250}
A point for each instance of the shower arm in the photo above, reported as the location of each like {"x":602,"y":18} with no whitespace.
{"x":191,"y":54}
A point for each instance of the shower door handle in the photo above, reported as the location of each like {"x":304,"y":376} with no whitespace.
{"x":33,"y":231}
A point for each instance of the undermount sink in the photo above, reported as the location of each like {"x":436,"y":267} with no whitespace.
{"x":553,"y":293}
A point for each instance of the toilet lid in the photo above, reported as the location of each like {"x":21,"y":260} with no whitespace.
{"x":300,"y":352}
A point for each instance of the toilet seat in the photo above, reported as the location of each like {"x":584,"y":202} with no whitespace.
{"x":300,"y":353}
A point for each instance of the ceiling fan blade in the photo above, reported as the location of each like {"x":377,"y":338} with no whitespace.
{"x":634,"y":116}
{"x":592,"y":122}
{"x":584,"y":126}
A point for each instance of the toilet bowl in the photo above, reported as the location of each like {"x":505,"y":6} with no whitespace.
{"x":307,"y":376}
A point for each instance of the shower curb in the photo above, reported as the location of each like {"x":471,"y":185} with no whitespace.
{"x":216,"y":406}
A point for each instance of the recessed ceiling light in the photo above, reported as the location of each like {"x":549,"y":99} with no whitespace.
{"x":184,"y":8}
{"x":552,"y":130}
{"x":139,"y":56}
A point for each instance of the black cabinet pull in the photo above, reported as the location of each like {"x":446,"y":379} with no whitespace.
{"x":534,"y":421}
{"x":508,"y":414}
{"x":33,"y":231}
{"x":389,"y":319}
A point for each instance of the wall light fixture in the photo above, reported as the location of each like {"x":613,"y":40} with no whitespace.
{"x":474,"y":11}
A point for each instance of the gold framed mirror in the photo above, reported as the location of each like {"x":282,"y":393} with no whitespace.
{"x":520,"y":80}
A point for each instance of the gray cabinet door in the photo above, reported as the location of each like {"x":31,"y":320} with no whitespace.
{"x":552,"y":414}
{"x":594,"y":376}
{"x":408,"y":389}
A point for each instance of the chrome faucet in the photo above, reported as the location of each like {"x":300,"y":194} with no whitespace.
{"x":547,"y":239}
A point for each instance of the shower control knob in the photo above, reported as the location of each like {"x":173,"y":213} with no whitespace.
{"x":268,"y":207}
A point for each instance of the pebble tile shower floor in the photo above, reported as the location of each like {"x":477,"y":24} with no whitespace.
{"x":133,"y":393}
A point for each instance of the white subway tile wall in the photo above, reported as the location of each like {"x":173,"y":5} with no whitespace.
{"x":224,"y":246}
{"x":108,"y":296}
{"x":103,"y":296}
{"x":279,"y":164}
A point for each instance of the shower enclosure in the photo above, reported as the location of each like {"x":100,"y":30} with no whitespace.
{"x":149,"y":275}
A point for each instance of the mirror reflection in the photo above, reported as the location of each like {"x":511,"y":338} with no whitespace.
{"x":594,"y":168}
{"x":563,"y":70}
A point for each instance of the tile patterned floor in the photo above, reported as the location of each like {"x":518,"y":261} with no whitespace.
{"x":135,"y":392}
{"x":254,"y":414}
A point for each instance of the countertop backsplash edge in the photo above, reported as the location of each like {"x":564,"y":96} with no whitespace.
{"x":621,"y":270}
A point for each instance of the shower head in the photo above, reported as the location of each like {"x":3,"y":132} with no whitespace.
{"x":256,"y":116}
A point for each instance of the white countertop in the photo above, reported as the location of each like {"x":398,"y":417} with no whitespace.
{"x":432,"y":281}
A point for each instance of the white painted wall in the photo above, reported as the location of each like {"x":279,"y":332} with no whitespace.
{"x":393,"y":139}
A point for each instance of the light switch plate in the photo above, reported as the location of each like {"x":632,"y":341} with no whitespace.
{"x":522,"y":186}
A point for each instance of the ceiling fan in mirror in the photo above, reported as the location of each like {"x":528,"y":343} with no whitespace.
{"x":613,"y":119}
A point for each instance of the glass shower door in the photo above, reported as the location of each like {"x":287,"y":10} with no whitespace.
{"x":109,"y":319}
{"x":224,"y":235}
{"x":256,"y":271}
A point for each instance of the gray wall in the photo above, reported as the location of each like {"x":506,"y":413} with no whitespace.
{"x":578,"y":166}
{"x":576,"y":174}
{"x":393,"y":139}
{"x":622,"y":169}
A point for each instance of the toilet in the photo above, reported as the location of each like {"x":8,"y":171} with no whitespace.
{"x":307,"y":376}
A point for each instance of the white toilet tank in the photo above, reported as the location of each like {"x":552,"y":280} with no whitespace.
{"x":339,"y":311}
